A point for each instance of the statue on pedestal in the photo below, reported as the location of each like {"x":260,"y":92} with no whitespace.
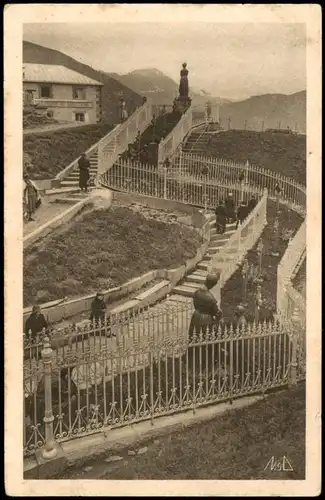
{"x":183,"y":84}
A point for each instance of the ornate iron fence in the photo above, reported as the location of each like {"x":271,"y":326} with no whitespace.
{"x":133,"y":368}
{"x":248,"y":178}
{"x":289,"y":299}
{"x":227,"y":259}
{"x":172,"y":184}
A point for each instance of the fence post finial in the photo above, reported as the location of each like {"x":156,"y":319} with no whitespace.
{"x":50,"y":448}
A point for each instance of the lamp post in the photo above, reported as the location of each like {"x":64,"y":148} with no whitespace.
{"x":260,"y":256}
{"x":241,"y":181}
{"x":205,"y":172}
{"x":277,"y":195}
{"x":244,"y":273}
{"x":258,"y":302}
{"x":275,"y":252}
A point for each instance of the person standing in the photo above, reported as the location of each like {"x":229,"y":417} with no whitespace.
{"x":251,"y":204}
{"x":230,"y":207}
{"x":98,"y":309}
{"x":84,"y":166}
{"x":242,"y":213}
{"x":207,"y":313}
{"x":30,"y":197}
{"x":35,"y":322}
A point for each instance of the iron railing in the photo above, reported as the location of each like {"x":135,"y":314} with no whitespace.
{"x":289,"y":299}
{"x":139,"y":367}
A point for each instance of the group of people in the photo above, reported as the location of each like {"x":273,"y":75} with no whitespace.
{"x":36,"y":322}
{"x":226,"y":212}
{"x":31,"y":197}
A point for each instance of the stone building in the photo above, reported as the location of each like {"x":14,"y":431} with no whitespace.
{"x":62,"y":94}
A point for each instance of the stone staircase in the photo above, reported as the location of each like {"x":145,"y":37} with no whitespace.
{"x":197,"y":277}
{"x":199,"y":141}
{"x":72,"y":180}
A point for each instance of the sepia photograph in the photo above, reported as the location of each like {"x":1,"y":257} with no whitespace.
{"x":162,"y":252}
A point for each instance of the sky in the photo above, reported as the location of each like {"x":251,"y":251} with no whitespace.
{"x":234,"y":60}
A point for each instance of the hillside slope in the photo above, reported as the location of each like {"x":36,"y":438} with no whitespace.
{"x":112,"y":90}
{"x":273,"y":109}
{"x":281,"y":153}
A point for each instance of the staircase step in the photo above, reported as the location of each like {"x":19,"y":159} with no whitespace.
{"x":201,"y":272}
{"x":196,"y":278}
{"x":186,"y":290}
{"x":203,"y":265}
{"x":67,"y":183}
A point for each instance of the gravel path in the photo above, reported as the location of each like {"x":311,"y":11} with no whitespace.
{"x":43,"y":214}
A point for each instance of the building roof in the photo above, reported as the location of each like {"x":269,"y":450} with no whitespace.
{"x":51,"y":73}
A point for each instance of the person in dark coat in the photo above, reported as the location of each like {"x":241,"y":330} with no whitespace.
{"x":84,"y":166}
{"x":30,"y":196}
{"x":35,"y":322}
{"x":98,"y":309}
{"x":207,"y":313}
{"x":230,"y":207}
{"x":251,"y":204}
{"x":242,"y":213}
{"x":220,"y":213}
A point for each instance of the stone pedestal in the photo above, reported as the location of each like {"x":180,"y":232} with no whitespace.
{"x":182,"y":104}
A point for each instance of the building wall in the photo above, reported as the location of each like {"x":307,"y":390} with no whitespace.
{"x":65,"y":111}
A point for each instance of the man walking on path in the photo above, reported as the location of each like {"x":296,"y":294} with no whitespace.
{"x":84,"y":166}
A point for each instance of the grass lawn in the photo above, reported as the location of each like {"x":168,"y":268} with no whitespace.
{"x":236,"y":445}
{"x":281,"y":153}
{"x":103,"y":249}
{"x":51,"y":152}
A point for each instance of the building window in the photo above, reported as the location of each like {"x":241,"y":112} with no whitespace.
{"x":80,"y":117}
{"x":46,"y":91}
{"x":79,"y":93}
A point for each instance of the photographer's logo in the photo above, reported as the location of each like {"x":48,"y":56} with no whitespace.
{"x":279,"y":465}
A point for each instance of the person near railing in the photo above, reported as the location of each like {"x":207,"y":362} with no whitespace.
{"x":242,"y":213}
{"x":230,"y":207}
{"x":31,"y":198}
{"x":35,"y":323}
{"x":251,"y":204}
{"x":98,"y":309}
{"x":220,"y":213}
{"x":84,"y":175}
{"x":207,"y":313}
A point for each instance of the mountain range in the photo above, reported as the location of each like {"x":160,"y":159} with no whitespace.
{"x":157,"y":86}
{"x":266,"y":111}
{"x":257,"y":112}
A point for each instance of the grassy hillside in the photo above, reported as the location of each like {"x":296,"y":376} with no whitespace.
{"x":112,"y":90}
{"x":51,"y":152}
{"x":282,"y":153}
{"x":104,"y":249}
{"x":272,"y":109}
{"x":236,"y":445}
